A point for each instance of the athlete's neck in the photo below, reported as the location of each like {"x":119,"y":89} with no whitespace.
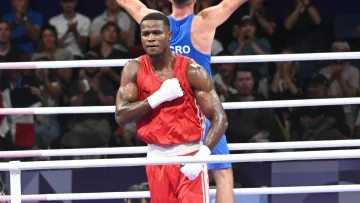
{"x":162,"y":61}
{"x":180,"y":12}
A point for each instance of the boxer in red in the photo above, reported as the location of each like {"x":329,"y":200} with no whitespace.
{"x":167,"y":95}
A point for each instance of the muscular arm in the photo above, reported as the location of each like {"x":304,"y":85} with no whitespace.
{"x":128,"y":108}
{"x":135,"y":8}
{"x":214,"y":16}
{"x":209,"y":103}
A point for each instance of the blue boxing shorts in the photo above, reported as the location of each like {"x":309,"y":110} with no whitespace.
{"x":220,"y":149}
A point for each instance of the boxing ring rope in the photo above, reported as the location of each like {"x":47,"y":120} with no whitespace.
{"x":143,"y":150}
{"x":15,"y":168}
{"x":228,"y":106}
{"x":140,"y":194}
{"x":215,"y":59}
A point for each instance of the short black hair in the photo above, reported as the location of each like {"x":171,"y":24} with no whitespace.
{"x":139,"y":187}
{"x":157,"y":16}
{"x":110,"y":24}
{"x":244,"y":69}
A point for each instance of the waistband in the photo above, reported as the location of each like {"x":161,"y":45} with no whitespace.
{"x":173,"y":150}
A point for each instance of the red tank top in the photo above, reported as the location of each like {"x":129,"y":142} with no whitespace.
{"x":175,"y":122}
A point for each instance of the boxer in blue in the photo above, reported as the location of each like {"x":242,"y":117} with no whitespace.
{"x":193,"y":36}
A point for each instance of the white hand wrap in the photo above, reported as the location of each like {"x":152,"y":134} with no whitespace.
{"x":169,"y":90}
{"x":192,"y":171}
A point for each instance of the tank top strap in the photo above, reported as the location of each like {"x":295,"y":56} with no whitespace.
{"x":143,"y":71}
{"x":144,"y":61}
{"x":182,"y":64}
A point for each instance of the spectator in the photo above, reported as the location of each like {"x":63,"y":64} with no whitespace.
{"x":19,"y":91}
{"x":223,"y":78}
{"x":250,"y":125}
{"x":319,"y":123}
{"x":344,"y":80}
{"x":48,"y":47}
{"x":128,"y":135}
{"x":73,"y":28}
{"x":265,"y":26}
{"x":25,"y":25}
{"x":106,"y":50}
{"x":138,"y":188}
{"x":8,"y":52}
{"x":286,"y":84}
{"x":248,"y":44}
{"x":216,"y":47}
{"x":302,"y":25}
{"x":126,"y":37}
{"x":92,"y":89}
{"x":47,"y":127}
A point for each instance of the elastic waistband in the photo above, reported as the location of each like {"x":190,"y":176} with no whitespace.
{"x":173,"y":150}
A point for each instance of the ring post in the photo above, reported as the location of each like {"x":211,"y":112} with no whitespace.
{"x":15,"y":181}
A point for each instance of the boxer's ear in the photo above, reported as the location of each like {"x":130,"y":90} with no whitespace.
{"x":170,"y":35}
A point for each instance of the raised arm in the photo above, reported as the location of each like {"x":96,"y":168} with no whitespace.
{"x":214,"y":16}
{"x":135,"y":8}
{"x":209,"y":103}
{"x":128,"y":108}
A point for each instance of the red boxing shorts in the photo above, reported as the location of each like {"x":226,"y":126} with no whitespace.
{"x":168,"y":185}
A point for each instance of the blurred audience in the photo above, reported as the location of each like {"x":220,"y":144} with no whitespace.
{"x":49,"y":46}
{"x":250,"y":125}
{"x":8,"y":52}
{"x":302,"y":24}
{"x":72,"y":27}
{"x":319,"y":123}
{"x":19,"y":91}
{"x":106,"y":50}
{"x":344,"y":80}
{"x":126,"y":27}
{"x":286,"y":84}
{"x":247,"y":43}
{"x":25,"y":25}
{"x":223,"y":77}
{"x":93,"y":88}
{"x":265,"y":26}
{"x":47,"y":127}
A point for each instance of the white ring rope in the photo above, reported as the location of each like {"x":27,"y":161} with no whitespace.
{"x":228,"y":106}
{"x":254,"y":157}
{"x":140,"y":194}
{"x":143,"y":150}
{"x":216,"y":59}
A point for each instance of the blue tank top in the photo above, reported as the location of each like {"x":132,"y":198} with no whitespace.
{"x":181,"y":42}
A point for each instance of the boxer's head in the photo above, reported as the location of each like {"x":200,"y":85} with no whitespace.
{"x":155,"y":34}
{"x":183,"y":2}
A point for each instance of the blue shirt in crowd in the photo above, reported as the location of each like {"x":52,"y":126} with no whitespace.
{"x":19,"y":36}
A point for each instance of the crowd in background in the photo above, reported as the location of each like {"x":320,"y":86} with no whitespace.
{"x":25,"y":35}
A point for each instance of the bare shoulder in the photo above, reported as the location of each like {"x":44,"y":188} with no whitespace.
{"x":130,"y":70}
{"x":194,"y":68}
{"x":197,"y":75}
